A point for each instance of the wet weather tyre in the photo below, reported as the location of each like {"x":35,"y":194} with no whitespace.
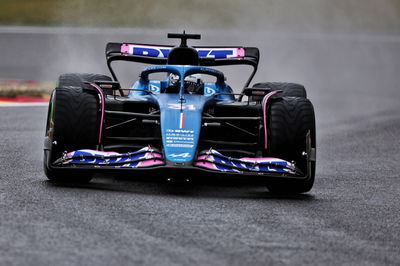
{"x":79,"y":79}
{"x":73,"y":123}
{"x":288,"y":89}
{"x":291,"y":120}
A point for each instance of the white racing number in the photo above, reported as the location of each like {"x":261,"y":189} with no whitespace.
{"x":178,"y":106}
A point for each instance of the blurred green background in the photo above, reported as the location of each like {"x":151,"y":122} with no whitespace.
{"x":290,"y":15}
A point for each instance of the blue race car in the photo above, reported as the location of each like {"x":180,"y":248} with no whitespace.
{"x":181,"y":118}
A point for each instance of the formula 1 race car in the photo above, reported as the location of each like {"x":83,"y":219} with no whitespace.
{"x":181,"y":118}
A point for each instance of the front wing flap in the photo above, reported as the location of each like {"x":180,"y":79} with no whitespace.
{"x":148,"y":157}
{"x":145,"y":157}
{"x":214,"y":160}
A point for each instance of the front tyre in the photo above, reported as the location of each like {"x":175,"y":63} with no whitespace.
{"x":292,"y":120}
{"x":72,"y":124}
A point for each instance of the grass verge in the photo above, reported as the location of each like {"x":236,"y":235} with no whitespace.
{"x":14,"y":88}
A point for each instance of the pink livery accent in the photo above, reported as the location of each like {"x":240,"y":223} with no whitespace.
{"x":153,"y":155}
{"x":265,"y":101}
{"x":102,"y":109}
{"x":203,"y":157}
{"x":124,"y":49}
{"x":150,"y":163}
{"x":206,"y":165}
{"x":240,"y":52}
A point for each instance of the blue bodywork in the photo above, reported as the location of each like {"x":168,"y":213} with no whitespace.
{"x":157,"y":127}
{"x":181,"y":113}
{"x":180,"y":121}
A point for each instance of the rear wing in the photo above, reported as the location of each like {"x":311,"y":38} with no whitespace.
{"x":158,"y":55}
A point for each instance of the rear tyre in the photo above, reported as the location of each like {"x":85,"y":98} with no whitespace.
{"x":291,"y":119}
{"x":79,"y":79}
{"x":288,"y":89}
{"x":73,"y":123}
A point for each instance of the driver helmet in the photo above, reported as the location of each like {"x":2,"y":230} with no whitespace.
{"x":194,"y":84}
{"x":173,"y":79}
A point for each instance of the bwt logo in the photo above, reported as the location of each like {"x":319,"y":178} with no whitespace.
{"x":154,"y":88}
{"x":159,"y":51}
{"x":150,"y":51}
{"x":209,"y":91}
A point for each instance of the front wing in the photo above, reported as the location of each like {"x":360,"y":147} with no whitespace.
{"x":149,"y":158}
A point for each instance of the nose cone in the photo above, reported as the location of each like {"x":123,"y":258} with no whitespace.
{"x":181,"y":125}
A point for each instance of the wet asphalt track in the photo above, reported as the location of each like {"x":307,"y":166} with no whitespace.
{"x":350,"y":217}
